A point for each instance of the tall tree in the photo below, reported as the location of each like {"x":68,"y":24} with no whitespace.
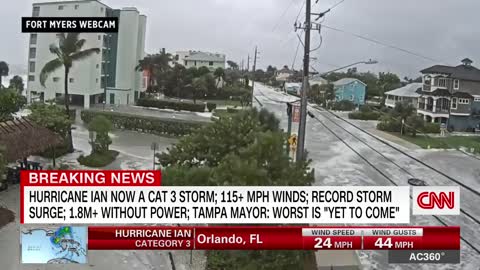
{"x":3,"y":71}
{"x":17,"y":83}
{"x":199,"y":88}
{"x":10,"y":102}
{"x":232,"y":64}
{"x":68,"y":51}
{"x":388,"y":81}
{"x":157,"y":66}
{"x":219,"y":75}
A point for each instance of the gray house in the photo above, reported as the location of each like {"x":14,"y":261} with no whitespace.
{"x":451,"y":95}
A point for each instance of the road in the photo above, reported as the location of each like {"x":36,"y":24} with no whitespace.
{"x":335,"y":164}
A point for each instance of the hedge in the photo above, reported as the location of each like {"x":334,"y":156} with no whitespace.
{"x":147,"y":124}
{"x":431,"y":128}
{"x":343,"y":105}
{"x":178,"y":106}
{"x":365,"y":115}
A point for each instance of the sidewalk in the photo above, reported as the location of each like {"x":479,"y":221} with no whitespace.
{"x":394,"y":139}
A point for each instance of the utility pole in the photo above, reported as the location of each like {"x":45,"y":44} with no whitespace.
{"x":254,"y":69}
{"x":305,"y":86}
{"x":308,"y":26}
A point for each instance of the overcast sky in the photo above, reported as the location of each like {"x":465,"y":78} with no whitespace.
{"x":445,"y":30}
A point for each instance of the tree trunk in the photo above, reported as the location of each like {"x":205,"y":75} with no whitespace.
{"x":67,"y":108}
{"x":1,"y":85}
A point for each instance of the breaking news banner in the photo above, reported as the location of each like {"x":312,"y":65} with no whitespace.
{"x":69,"y":24}
{"x":136,"y":197}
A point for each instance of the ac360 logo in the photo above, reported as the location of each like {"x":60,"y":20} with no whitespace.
{"x":436,"y":200}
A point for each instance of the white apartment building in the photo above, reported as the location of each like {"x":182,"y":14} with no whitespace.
{"x":200,"y":59}
{"x":109,"y":76}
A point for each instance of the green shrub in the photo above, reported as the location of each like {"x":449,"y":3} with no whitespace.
{"x":147,"y":124}
{"x":173,"y":105}
{"x":371,"y":115}
{"x":97,"y":160}
{"x":231,"y":110}
{"x":390,"y":124}
{"x":431,"y":128}
{"x":343,"y":105}
{"x":211,"y":106}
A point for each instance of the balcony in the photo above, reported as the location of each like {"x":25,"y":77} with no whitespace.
{"x":427,"y":87}
{"x":431,"y":109}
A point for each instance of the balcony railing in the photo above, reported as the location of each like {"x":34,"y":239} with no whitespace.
{"x":429,"y":108}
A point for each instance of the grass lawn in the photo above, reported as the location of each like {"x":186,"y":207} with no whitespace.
{"x":97,"y":160}
{"x":451,"y":142}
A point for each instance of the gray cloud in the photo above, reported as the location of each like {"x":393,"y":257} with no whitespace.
{"x":446,"y":30}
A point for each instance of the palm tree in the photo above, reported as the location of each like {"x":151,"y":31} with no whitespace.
{"x":68,"y":51}
{"x":156,"y":65}
{"x":219,"y":75}
{"x":17,"y":83}
{"x":3,"y":71}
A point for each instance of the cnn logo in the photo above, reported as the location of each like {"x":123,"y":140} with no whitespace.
{"x":436,"y":200}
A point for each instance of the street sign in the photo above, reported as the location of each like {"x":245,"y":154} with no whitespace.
{"x":293,"y":141}
{"x":296,"y":114}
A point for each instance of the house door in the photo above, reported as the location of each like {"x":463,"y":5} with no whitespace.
{"x":112,"y":98}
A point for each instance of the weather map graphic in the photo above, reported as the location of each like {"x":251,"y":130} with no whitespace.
{"x":54,"y":245}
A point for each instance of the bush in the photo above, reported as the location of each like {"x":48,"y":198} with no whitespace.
{"x":97,"y":160}
{"x":371,"y":115}
{"x":343,"y":105}
{"x":59,"y":151}
{"x":390,"y":124}
{"x":211,"y":106}
{"x":178,"y":106}
{"x":431,"y":128}
{"x":147,"y":124}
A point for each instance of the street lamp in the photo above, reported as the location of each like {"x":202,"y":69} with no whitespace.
{"x":369,"y":62}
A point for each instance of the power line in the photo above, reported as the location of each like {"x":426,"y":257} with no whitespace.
{"x":295,"y":57}
{"x":384,"y":44}
{"x":283,"y":15}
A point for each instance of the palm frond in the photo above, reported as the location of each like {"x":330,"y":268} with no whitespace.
{"x":49,"y":68}
{"x":61,"y":38}
{"x":84,"y":54}
{"x":54,"y":49}
{"x":69,"y":45}
{"x":80,"y":44}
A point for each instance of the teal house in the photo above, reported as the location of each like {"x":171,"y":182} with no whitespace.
{"x":350,"y":89}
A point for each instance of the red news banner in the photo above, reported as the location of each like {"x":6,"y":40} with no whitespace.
{"x":273,"y":238}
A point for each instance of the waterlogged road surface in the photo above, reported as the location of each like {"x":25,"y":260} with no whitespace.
{"x":336,"y":165}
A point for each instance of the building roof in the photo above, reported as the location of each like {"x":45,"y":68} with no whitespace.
{"x":462,"y":95}
{"x":23,"y":138}
{"x":463,"y":72}
{"x":318,"y":78}
{"x":43,"y":2}
{"x":437,"y":93}
{"x":285,"y":70}
{"x":204,"y":56}
{"x":409,"y":90}
{"x":346,"y":81}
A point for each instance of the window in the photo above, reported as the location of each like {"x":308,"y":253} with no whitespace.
{"x":96,"y":80}
{"x":112,"y":98}
{"x":31,"y":78}
{"x":210,"y":63}
{"x":33,"y":39}
{"x":77,"y":6}
{"x":97,"y":66}
{"x":33,"y":53}
{"x":442,"y":82}
{"x":456,"y":84}
{"x":352,"y":98}
{"x":56,"y":79}
{"x":60,"y":7}
{"x":195,"y":63}
{"x":427,"y":80}
{"x":99,"y":37}
{"x":463,"y":101}
{"x":31,"y":67}
{"x":71,"y":80}
{"x":477,"y":99}
{"x":101,"y":9}
{"x":454,"y":103}
{"x":36,"y":12}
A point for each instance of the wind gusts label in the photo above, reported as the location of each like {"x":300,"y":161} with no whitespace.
{"x":136,"y":197}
